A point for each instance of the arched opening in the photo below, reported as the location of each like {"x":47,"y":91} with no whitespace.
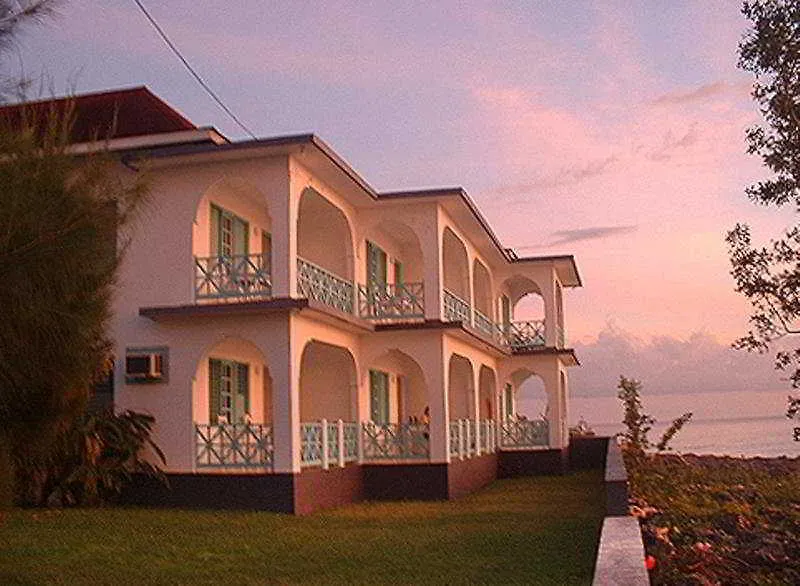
{"x":526,"y":411}
{"x":323,"y":235}
{"x":397,"y":387}
{"x":232,"y":406}
{"x":531,"y":396}
{"x":327,"y":383}
{"x":487,"y":396}
{"x":456,"y":278}
{"x":482,"y":290}
{"x":232,"y":243}
{"x":523,"y":313}
{"x":460,"y":388}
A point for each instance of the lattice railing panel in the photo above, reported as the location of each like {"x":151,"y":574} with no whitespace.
{"x":235,"y":276}
{"x":524,"y":335}
{"x":455,"y":308}
{"x":524,"y":433}
{"x":225,"y":445}
{"x":314,"y":282}
{"x":391,"y":301}
{"x":395,"y":441}
{"x":311,"y":444}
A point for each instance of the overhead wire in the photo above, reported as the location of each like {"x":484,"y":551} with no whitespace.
{"x":191,"y":69}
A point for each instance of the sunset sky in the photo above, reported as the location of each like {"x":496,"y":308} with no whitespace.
{"x":613,"y":131}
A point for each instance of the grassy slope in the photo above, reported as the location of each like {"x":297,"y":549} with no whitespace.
{"x":521,"y":531}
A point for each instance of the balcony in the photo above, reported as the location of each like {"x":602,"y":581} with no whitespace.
{"x":314,"y":282}
{"x":524,"y":433}
{"x":391,"y":302}
{"x":455,"y":308}
{"x":236,"y":277}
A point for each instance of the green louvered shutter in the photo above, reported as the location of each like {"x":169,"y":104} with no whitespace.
{"x":242,"y":390}
{"x":215,"y":227}
{"x":214,"y":384}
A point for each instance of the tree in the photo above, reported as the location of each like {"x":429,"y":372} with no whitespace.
{"x":769,"y":276}
{"x":61,"y":219}
{"x":15,"y":15}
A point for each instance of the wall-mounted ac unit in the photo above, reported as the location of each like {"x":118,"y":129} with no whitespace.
{"x":144,"y":366}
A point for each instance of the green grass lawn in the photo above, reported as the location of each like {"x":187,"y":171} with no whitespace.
{"x":522,"y":531}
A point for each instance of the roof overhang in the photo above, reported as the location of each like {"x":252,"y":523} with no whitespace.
{"x":565,"y":266}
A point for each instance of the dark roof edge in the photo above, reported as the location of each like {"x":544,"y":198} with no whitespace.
{"x":286,"y":140}
{"x":325,"y":149}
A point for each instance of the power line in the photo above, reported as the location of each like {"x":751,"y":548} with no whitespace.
{"x":199,"y":79}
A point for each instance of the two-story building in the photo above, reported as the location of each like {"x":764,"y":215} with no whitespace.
{"x":304,"y":340}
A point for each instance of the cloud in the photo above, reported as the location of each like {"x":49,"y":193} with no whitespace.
{"x":563,"y":177}
{"x":703,"y":92}
{"x":668,"y":365}
{"x":672,"y":144}
{"x":593,"y":233}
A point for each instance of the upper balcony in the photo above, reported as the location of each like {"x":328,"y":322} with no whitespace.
{"x":378,"y":276}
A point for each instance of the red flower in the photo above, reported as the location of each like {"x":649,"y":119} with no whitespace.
{"x":649,"y":562}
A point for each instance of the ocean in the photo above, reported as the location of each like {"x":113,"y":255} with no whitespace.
{"x":735,"y":423}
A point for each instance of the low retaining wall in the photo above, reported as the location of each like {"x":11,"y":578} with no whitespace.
{"x":588,"y":452}
{"x":620,"y":554}
{"x":616,"y":481}
{"x":514,"y":463}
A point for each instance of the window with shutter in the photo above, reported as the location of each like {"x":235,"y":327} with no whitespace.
{"x":377,"y":267}
{"x":229,"y":391}
{"x":379,"y":396}
{"x":229,"y":233}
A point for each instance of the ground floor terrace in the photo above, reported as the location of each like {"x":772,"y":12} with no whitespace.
{"x":291,"y":413}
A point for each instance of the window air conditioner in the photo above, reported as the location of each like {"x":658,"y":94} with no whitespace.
{"x":144,"y":366}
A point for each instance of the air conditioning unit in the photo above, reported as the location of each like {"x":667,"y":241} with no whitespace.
{"x":144,"y":366}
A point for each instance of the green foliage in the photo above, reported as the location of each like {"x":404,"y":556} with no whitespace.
{"x":638,"y":424}
{"x":60,"y":218}
{"x":710,"y":520}
{"x":96,"y":456}
{"x":15,"y":15}
{"x":769,"y":276}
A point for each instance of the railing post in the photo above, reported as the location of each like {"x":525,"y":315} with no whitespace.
{"x":340,"y":441}
{"x":461,"y":439}
{"x":325,"y":455}
{"x":360,"y":442}
{"x":499,"y":433}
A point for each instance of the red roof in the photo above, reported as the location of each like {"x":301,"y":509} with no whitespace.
{"x":113,"y":114}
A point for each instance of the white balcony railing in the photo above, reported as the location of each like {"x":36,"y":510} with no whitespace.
{"x":395,"y":441}
{"x":236,"y":276}
{"x":472,"y":438}
{"x":314,"y":282}
{"x":227,"y":445}
{"x":455,"y":308}
{"x":387,"y":301}
{"x":524,"y":433}
{"x":327,"y":443}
